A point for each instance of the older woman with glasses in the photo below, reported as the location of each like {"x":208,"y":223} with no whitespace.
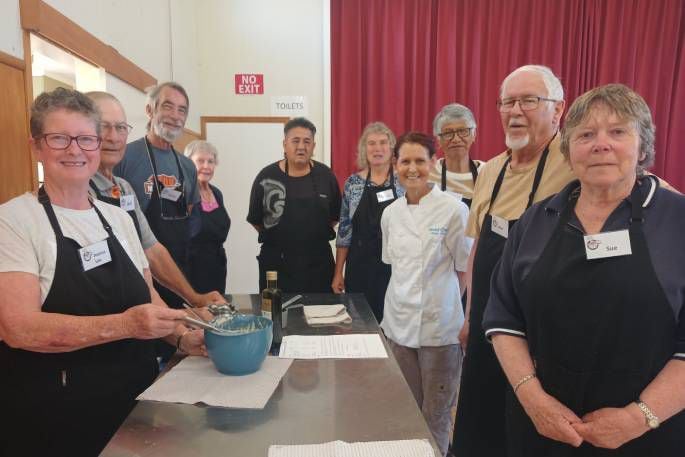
{"x":366,"y":194}
{"x":587,"y":309}
{"x":456,"y":173}
{"x":209,"y":223}
{"x":77,"y":308}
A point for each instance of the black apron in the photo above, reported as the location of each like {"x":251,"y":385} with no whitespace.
{"x":599,"y":332}
{"x":116,"y":202}
{"x":206,"y":254}
{"x":172,"y":229}
{"x":298,"y":246}
{"x":365,"y":272}
{"x":479,"y":428}
{"x":443,"y":178}
{"x":71,"y":403}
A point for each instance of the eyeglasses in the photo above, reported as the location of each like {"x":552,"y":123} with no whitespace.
{"x":122,"y":128}
{"x":527,"y":103}
{"x":461,"y":133}
{"x":60,"y":141}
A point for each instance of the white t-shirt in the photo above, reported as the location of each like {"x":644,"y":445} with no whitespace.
{"x":426,"y":246}
{"x":457,"y":183}
{"x":28,"y":243}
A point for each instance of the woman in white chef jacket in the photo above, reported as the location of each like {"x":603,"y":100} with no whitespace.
{"x":424,"y":242}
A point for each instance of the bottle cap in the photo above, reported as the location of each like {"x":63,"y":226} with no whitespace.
{"x":271,"y":275}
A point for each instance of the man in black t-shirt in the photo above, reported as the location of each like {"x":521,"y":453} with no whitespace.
{"x":294,"y":205}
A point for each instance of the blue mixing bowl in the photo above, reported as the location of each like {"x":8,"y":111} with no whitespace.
{"x":243,"y":350}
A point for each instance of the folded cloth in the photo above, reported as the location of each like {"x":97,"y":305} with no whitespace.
{"x":326,"y":314}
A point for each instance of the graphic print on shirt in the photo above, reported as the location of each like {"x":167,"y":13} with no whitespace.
{"x":274,"y":201}
{"x":167,"y":180}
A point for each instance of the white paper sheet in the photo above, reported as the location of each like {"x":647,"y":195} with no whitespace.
{"x":323,"y":310}
{"x":326,"y":314}
{"x":403,"y":448}
{"x":357,"y":346}
{"x":195,"y":380}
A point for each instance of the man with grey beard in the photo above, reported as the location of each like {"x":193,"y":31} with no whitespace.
{"x":164,"y":181}
{"x":530,"y":105}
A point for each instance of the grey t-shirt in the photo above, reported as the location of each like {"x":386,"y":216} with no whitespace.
{"x":137,"y":170}
{"x":104,"y":185}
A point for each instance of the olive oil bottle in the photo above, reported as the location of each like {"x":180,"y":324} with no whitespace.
{"x":271,"y":305}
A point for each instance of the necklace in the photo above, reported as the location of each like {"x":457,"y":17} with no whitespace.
{"x":206,"y":195}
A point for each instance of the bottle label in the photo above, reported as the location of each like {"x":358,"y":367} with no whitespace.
{"x":266,"y":307}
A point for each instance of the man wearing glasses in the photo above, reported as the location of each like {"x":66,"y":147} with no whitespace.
{"x":532,"y":168}
{"x":117,"y":191}
{"x":164,"y":181}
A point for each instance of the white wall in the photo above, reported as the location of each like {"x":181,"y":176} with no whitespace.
{"x":10,"y":29}
{"x":239,"y":144}
{"x":283,"y":40}
{"x":145,"y":32}
{"x":202,"y":44}
{"x":140,"y":31}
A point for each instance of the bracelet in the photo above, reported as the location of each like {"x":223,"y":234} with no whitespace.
{"x":180,"y":337}
{"x":524,"y":380}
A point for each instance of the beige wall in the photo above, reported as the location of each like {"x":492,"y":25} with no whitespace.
{"x":202,"y":45}
{"x":283,"y":40}
{"x":139,"y":30}
{"x":10,"y":31}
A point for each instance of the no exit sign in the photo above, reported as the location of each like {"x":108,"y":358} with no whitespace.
{"x":249,"y":84}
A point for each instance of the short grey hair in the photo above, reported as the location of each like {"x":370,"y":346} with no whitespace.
{"x":452,"y":113}
{"x":153,"y":93}
{"x":198,"y":146}
{"x":66,"y":99}
{"x":554,"y":88}
{"x":627,"y":104}
{"x":374,"y":127}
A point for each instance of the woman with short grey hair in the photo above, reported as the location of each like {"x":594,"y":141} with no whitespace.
{"x":455,"y":128}
{"x":78,"y":314}
{"x":586,"y":311}
{"x":365,"y":196}
{"x":209,"y":223}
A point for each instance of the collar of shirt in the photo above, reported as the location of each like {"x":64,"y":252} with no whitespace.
{"x":617,"y":219}
{"x":426,"y":199}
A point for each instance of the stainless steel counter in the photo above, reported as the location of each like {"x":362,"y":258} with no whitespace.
{"x":317,"y":401}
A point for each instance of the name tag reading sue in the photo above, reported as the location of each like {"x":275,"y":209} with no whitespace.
{"x":95,"y":255}
{"x":500,"y":226}
{"x":127,"y":203}
{"x":609,"y":244}
{"x":170,"y":194}
{"x":385,"y":195}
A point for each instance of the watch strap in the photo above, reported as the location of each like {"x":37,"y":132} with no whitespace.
{"x":650,"y":418}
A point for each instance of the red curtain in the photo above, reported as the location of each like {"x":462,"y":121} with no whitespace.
{"x":400,"y":61}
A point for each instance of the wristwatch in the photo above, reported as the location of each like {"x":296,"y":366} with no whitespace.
{"x":650,"y":419}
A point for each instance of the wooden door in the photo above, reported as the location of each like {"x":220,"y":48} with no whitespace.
{"x":16,"y":164}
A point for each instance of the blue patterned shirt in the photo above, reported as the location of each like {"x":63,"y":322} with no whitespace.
{"x":352,"y":194}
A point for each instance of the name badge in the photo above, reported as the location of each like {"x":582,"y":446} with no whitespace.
{"x":500,"y":226}
{"x":170,"y":194}
{"x":385,"y":195}
{"x":608,"y":244}
{"x":95,"y":255}
{"x":456,"y":195}
{"x":127,"y":202}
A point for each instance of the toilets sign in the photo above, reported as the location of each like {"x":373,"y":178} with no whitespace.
{"x":249,"y":84}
